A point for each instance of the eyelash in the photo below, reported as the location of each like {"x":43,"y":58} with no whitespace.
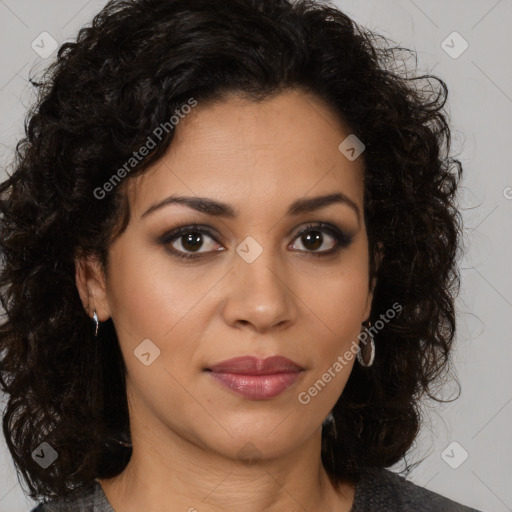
{"x":341,"y":238}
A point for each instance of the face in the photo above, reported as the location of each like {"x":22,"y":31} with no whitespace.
{"x":268,"y":273}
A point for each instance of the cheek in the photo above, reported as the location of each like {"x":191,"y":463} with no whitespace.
{"x":340,"y":301}
{"x":336,"y":302}
{"x":149,"y":301}
{"x":147,"y":294}
{"x":336,"y":296}
{"x":152,"y":298}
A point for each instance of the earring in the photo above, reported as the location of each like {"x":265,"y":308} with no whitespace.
{"x":372,"y":353}
{"x":330,"y":423}
{"x":95,"y":318}
{"x":328,"y":420}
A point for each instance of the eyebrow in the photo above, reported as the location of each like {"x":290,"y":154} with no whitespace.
{"x":220,"y":209}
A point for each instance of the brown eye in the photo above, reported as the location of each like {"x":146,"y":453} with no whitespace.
{"x":192,"y":242}
{"x":186,"y":242}
{"x":313,"y":239}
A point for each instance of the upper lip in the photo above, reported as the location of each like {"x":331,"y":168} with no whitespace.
{"x":251,"y":365}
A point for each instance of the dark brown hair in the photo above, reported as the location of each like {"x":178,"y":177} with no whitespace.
{"x":129,"y":71}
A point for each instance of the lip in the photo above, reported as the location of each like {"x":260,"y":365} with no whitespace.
{"x":254,"y":378}
{"x":251,"y":365}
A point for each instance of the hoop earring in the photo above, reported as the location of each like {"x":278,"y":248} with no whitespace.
{"x":372,"y":348}
{"x":95,"y":318}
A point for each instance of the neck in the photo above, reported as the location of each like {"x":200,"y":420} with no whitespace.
{"x":175,"y":474}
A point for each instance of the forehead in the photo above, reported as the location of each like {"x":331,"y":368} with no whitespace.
{"x":254,"y":154}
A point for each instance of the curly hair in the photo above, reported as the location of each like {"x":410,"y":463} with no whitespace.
{"x":126,"y":72}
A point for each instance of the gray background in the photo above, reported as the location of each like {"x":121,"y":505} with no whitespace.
{"x":480,"y":106}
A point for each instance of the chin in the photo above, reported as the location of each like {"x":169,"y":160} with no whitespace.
{"x":264,"y":441}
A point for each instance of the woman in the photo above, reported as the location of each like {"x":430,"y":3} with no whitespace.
{"x":229,"y":270}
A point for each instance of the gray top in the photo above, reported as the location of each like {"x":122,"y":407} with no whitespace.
{"x":378,"y":490}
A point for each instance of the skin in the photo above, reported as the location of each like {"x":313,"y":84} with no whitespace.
{"x":186,"y":429}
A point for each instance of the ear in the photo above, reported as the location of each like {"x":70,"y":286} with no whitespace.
{"x":377,"y":258}
{"x":91,"y":284}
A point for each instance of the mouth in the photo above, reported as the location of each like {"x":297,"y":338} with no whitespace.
{"x":254,"y":378}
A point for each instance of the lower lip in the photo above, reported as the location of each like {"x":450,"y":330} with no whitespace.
{"x":257,"y":387}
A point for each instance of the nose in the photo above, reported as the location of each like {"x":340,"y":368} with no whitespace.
{"x":259,"y":295}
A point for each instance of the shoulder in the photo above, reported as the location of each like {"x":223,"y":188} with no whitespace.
{"x":87,"y":498}
{"x":382,"y":490}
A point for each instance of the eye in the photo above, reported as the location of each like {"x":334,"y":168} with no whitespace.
{"x":186,"y":242}
{"x":312,"y":237}
{"x":189,"y":238}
